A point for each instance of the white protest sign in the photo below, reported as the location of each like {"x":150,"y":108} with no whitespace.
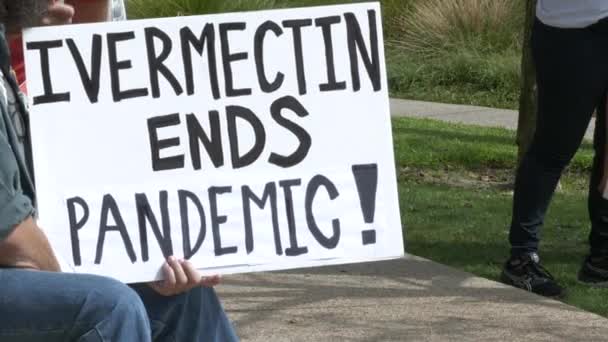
{"x":243,"y":142}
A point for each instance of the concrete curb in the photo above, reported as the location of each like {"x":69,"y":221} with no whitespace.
{"x":401,"y":300}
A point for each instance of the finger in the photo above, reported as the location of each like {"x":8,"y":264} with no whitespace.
{"x":181,"y":279}
{"x":169,"y":276}
{"x":157,"y":285}
{"x":160,"y":288}
{"x":207,"y":282}
{"x":211,"y":281}
{"x":194,"y":276}
{"x":165,"y":291}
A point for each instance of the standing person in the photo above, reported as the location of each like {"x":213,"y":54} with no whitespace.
{"x":570,"y":52}
{"x":37,"y":301}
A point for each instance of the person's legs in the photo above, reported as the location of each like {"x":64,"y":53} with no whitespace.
{"x":571,"y":78}
{"x":598,"y":205}
{"x":571,"y":84}
{"x":193,"y":316}
{"x":59,"y":307}
{"x":594,"y":270}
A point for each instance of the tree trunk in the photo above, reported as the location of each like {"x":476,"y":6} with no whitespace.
{"x":527,"y":101}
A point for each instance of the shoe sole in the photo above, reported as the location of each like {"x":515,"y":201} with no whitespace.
{"x":599,"y":285}
{"x":505,"y":279}
{"x":591,"y":282}
{"x":599,"y":282}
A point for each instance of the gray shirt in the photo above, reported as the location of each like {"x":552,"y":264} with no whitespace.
{"x":16,"y":184}
{"x":571,"y":13}
{"x":14,"y":112}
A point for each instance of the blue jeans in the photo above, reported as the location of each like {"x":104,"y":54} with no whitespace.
{"x":59,"y":307}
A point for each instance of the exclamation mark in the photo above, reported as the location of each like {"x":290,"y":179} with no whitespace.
{"x":366,"y":178}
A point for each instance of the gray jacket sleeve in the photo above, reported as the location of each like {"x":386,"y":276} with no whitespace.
{"x":15,"y":207}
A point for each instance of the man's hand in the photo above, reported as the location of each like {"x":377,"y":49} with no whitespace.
{"x":28,"y":247}
{"x":58,"y":14}
{"x":181,"y":276}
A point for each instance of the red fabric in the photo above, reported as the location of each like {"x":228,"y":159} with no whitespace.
{"x":17,"y":62}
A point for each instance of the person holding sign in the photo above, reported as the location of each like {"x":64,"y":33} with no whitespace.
{"x":37,"y":301}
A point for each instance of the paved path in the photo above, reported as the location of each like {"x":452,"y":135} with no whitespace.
{"x":474,"y":115}
{"x":402,"y":300}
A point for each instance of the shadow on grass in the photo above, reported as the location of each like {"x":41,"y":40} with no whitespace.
{"x":462,"y":254}
{"x":445,"y":132}
{"x":452,"y":135}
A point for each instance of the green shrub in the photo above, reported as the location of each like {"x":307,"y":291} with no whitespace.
{"x":169,"y":8}
{"x":432,"y":28}
{"x":456,"y":51}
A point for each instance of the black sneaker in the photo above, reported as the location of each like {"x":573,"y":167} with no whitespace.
{"x":525,"y":272}
{"x":594,"y":271}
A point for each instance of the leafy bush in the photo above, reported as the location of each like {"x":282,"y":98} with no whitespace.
{"x":169,"y":8}
{"x":432,"y":28}
{"x":457,"y":51}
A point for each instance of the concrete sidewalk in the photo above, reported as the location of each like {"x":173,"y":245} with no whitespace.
{"x":473,"y":115}
{"x":401,"y":300}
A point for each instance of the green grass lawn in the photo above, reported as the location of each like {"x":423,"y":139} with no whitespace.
{"x":456,"y":201}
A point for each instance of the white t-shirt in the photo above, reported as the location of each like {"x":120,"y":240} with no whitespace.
{"x":118,"y":11}
{"x":571,"y":13}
